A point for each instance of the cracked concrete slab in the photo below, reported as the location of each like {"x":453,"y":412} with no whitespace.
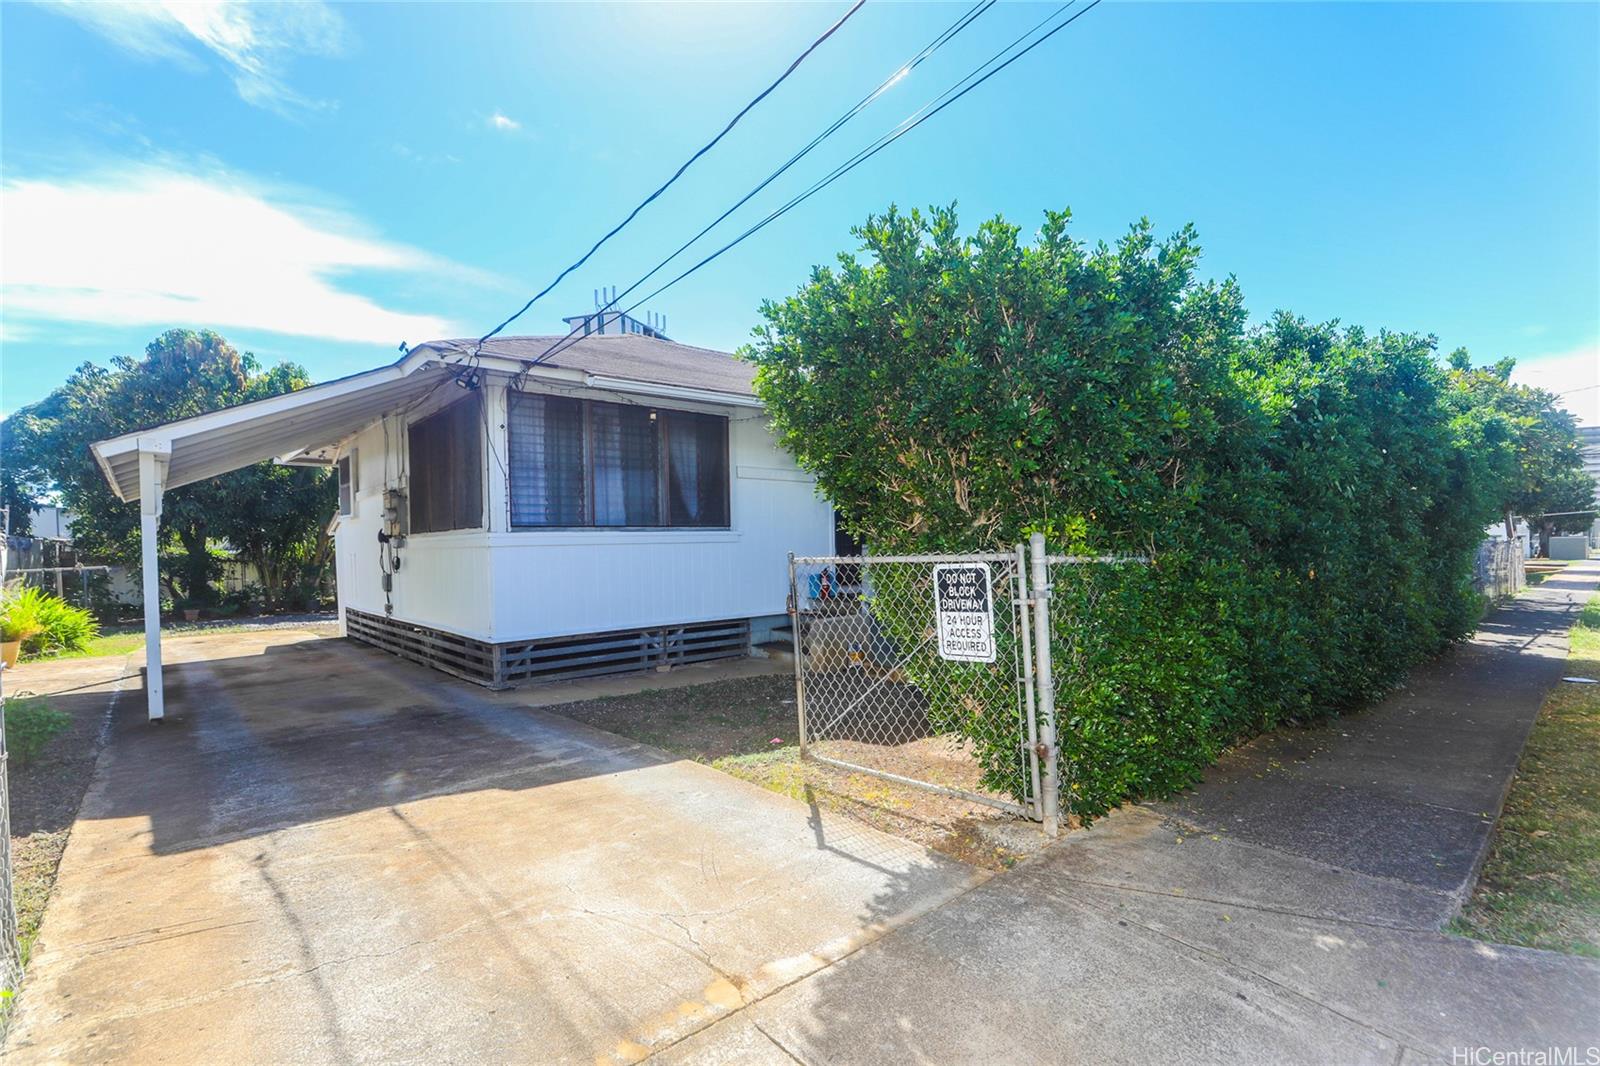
{"x":1022,"y":971}
{"x":328,"y":855}
{"x":1139,"y":850}
{"x":1424,"y":989}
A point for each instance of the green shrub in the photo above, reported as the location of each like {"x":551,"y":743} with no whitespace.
{"x":244,"y":600}
{"x":30,"y":724}
{"x":19,"y":616}
{"x":1310,"y":496}
{"x":46,"y":623}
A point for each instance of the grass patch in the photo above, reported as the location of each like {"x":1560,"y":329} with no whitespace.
{"x":1536,"y":571}
{"x":125,"y":639}
{"x":105,"y":644}
{"x":1540,"y":886}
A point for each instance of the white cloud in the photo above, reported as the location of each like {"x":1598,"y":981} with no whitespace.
{"x":504,"y":122}
{"x":148,"y":245}
{"x":255,"y":39}
{"x":1574,"y":375}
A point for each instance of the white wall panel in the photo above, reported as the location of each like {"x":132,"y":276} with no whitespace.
{"x":520,"y":585}
{"x":444,"y":578}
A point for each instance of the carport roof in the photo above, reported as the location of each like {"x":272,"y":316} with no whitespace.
{"x":211,"y":444}
{"x":215,"y":443}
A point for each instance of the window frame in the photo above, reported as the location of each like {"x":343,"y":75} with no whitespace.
{"x":349,"y":475}
{"x":662,"y":471}
{"x":474,"y":402}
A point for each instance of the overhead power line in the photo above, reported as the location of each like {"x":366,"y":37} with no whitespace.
{"x":976,"y":77}
{"x":734,"y":121}
{"x":895,"y":76}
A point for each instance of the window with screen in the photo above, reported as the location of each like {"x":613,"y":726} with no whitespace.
{"x":697,"y":469}
{"x":348,"y":471}
{"x":586,"y":463}
{"x":445,"y":461}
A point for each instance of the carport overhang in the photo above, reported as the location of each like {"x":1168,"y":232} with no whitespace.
{"x":297,"y":427}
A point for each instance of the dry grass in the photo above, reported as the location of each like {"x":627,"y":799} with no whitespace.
{"x":1541,"y":883}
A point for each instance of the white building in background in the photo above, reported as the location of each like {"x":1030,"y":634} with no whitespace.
{"x":49,"y":522}
{"x":531,"y":511}
{"x":1590,"y":435}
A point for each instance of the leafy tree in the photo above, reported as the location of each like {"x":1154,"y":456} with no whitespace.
{"x":1532,"y":447}
{"x":273,"y":515}
{"x":1310,"y":496}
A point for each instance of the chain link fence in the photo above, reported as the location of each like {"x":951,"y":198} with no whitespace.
{"x":890,"y":685}
{"x":951,"y":672}
{"x":1499,"y":570}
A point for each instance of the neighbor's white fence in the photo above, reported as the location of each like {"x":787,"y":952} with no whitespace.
{"x":1500,"y":569}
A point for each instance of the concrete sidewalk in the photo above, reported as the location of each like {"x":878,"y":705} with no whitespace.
{"x":1287,"y":910}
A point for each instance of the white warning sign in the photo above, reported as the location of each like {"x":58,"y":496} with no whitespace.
{"x":963,"y":600}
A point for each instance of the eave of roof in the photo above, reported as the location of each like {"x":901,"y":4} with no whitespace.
{"x":207,"y":445}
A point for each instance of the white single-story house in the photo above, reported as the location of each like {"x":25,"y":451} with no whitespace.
{"x":509,"y":514}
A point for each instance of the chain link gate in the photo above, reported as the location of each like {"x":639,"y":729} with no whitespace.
{"x":938,"y":671}
{"x":886,"y":684}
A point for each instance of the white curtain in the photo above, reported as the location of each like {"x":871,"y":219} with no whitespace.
{"x":684,"y":448}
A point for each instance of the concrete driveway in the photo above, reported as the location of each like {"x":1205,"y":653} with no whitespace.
{"x":325,"y":854}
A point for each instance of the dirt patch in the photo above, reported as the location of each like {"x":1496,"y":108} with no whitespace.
{"x":701,"y":722}
{"x":47,"y":791}
{"x":746,"y":727}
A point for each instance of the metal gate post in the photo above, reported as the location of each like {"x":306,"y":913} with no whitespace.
{"x":1050,"y":796}
{"x":799,"y":677}
{"x":1030,"y":737}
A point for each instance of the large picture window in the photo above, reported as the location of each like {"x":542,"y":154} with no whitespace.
{"x":446,"y":456}
{"x":585,"y":463}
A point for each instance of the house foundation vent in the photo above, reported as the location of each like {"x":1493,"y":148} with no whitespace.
{"x":552,"y":658}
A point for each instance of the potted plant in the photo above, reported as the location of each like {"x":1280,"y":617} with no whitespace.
{"x":19,"y":621}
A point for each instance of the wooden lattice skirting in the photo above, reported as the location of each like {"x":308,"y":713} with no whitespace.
{"x":551,"y":658}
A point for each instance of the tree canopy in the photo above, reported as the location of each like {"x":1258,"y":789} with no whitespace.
{"x":1535,"y":452}
{"x":273,"y":516}
{"x":1311,"y":495}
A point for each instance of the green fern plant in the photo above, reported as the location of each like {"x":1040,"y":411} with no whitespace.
{"x":46,"y":623}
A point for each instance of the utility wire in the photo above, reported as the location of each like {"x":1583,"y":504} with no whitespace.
{"x":801,"y":58}
{"x":900,"y":72}
{"x":955,"y":92}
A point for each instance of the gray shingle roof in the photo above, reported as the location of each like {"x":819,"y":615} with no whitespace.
{"x":626,"y":355}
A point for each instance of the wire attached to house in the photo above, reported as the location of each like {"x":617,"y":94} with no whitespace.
{"x":966,"y":19}
{"x":801,"y":58}
{"x":980,"y":74}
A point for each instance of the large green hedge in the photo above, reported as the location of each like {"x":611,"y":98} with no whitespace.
{"x":1310,"y":496}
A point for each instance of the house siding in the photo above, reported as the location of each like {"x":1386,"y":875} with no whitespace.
{"x":498,"y":585}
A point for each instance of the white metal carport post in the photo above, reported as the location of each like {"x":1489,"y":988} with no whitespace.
{"x":153,"y":458}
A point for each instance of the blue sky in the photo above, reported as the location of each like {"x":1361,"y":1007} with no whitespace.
{"x":322,"y":183}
